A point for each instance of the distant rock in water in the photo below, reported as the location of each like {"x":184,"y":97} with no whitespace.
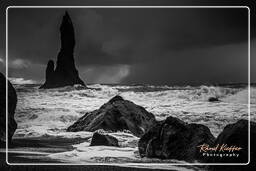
{"x":116,"y":115}
{"x":65,"y":73}
{"x":101,"y":139}
{"x":175,"y":139}
{"x":236,"y":135}
{"x":213,"y":99}
{"x":12,"y":102}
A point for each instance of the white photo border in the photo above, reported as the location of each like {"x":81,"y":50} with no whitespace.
{"x":130,"y":164}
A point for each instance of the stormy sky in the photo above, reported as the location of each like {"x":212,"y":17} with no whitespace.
{"x":134,"y":45}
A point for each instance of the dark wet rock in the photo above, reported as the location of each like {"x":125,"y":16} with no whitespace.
{"x":174,"y":139}
{"x":49,"y":73}
{"x":12,"y":102}
{"x":65,"y":73}
{"x":213,"y":99}
{"x":101,"y":139}
{"x":116,"y":115}
{"x":236,"y":135}
{"x":115,"y":99}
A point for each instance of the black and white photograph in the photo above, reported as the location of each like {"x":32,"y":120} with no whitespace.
{"x":132,"y":87}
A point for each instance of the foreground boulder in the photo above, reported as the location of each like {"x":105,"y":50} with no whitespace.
{"x":65,"y":73}
{"x":236,"y":135}
{"x":213,"y":99}
{"x":174,"y":139}
{"x":12,"y":102}
{"x":116,"y":115}
{"x":101,"y":139}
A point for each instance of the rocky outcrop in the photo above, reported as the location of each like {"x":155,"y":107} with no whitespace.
{"x":101,"y":139}
{"x":174,"y":139}
{"x":65,"y":73}
{"x":116,"y":115}
{"x":12,"y":102}
{"x":213,"y":99}
{"x":236,"y":135}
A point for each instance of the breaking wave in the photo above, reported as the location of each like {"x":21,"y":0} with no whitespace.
{"x":40,"y":110}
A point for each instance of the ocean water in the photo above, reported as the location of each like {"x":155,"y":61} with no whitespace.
{"x":47,"y":114}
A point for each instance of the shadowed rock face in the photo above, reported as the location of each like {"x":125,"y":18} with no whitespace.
{"x":12,"y":102}
{"x":65,"y":72}
{"x":116,"y":115}
{"x":213,"y":99}
{"x":106,"y":140}
{"x":174,"y":139}
{"x":236,"y":135}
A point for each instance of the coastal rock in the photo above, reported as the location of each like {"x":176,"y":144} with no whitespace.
{"x":236,"y":135}
{"x":174,"y":139}
{"x":65,"y":73}
{"x":101,"y":139}
{"x":12,"y":102}
{"x":116,"y":115}
{"x":213,"y":99}
{"x":49,"y":73}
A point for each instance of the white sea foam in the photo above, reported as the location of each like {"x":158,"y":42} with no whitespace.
{"x":85,"y":153}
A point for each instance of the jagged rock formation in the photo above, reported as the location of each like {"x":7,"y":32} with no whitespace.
{"x":101,"y":139}
{"x":236,"y":135}
{"x":213,"y":99}
{"x":175,"y":139}
{"x":116,"y":115}
{"x":65,"y":72}
{"x":12,"y":102}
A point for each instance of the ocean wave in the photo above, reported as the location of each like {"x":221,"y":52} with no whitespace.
{"x":106,"y":91}
{"x":39,"y":111}
{"x":205,"y":92}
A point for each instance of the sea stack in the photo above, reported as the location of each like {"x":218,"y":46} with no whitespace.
{"x":65,"y":73}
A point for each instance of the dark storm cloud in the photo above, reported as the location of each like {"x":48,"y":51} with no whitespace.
{"x":158,"y":46}
{"x":223,"y":64}
{"x":119,"y":36}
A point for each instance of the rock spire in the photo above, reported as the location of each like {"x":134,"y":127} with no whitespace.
{"x":65,"y":73}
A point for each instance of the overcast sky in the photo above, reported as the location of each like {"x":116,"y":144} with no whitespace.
{"x":149,"y":46}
